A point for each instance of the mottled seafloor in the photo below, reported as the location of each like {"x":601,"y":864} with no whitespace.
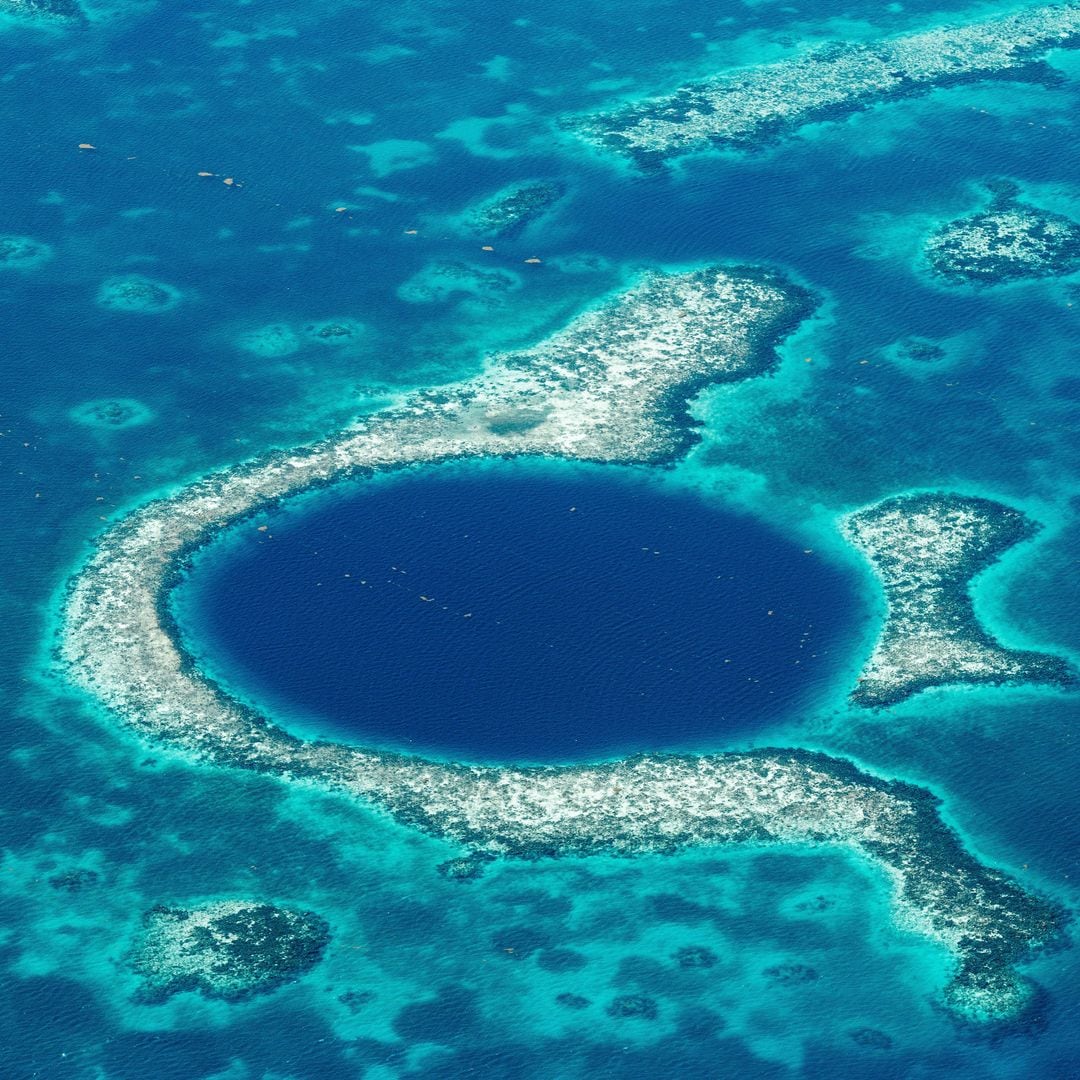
{"x":159,"y":325}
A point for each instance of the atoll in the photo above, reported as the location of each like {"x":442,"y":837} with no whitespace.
{"x":505,"y":214}
{"x":23,"y":253}
{"x":111,"y":413}
{"x":1008,"y":241}
{"x":138,"y":294}
{"x":231,"y":949}
{"x":746,"y":108}
{"x":611,"y":386}
{"x":926,"y":549}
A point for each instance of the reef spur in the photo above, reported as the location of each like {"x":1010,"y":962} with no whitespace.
{"x":746,"y":108}
{"x":611,"y":386}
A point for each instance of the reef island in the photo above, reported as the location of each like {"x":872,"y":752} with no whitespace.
{"x":747,"y":108}
{"x":611,"y":386}
{"x":926,"y":548}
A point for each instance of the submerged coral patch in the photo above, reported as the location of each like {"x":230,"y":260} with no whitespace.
{"x":333,"y":332}
{"x":231,"y":949}
{"x":23,"y":253}
{"x":112,"y":413}
{"x":505,"y":214}
{"x":440,"y":281}
{"x":636,"y":1006}
{"x":137,"y":294}
{"x":270,"y":342}
{"x":745,"y":108}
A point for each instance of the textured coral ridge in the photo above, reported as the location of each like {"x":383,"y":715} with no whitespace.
{"x":745,"y":108}
{"x":611,"y":386}
{"x":926,"y":548}
{"x":1008,"y":241}
{"x":231,"y":949}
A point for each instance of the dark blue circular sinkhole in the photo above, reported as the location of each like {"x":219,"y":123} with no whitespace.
{"x":518,"y":611}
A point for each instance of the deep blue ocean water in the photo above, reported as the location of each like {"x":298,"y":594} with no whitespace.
{"x":517,"y":612}
{"x":275,"y":94}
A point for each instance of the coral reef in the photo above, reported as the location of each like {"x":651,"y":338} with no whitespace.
{"x":231,"y":949}
{"x":270,"y":341}
{"x":746,"y":108}
{"x":790,"y":974}
{"x":926,"y":548}
{"x":1008,"y":241}
{"x":63,"y":11}
{"x":333,"y":332}
{"x":23,"y":253}
{"x":573,"y":1001}
{"x":871,"y":1038}
{"x":506,"y":213}
{"x":696,"y":956}
{"x":138,"y":294}
{"x":111,"y":413}
{"x":439,"y":281}
{"x":633,"y":1005}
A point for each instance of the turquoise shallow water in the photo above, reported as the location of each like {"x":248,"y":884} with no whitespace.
{"x":276,"y":97}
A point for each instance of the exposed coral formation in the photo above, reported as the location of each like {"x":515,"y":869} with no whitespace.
{"x":611,"y":386}
{"x":231,"y":949}
{"x":926,"y":548}
{"x":745,"y":108}
{"x":1008,"y":241}
{"x":135,"y":293}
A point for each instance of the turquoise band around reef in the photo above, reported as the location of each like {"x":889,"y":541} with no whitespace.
{"x":611,"y":386}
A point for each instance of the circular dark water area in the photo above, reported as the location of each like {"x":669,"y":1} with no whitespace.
{"x":518,"y":611}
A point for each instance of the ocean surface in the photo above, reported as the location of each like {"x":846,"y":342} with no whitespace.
{"x":404,"y":113}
